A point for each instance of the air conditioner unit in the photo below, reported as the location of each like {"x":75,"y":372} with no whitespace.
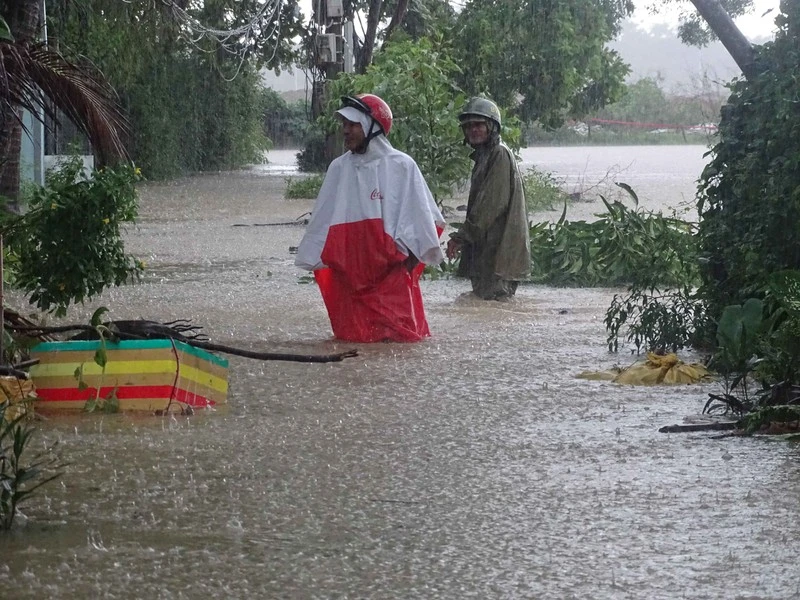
{"x":329,"y":47}
{"x":335,"y":9}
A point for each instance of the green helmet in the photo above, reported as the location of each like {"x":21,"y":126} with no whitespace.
{"x":479,"y":109}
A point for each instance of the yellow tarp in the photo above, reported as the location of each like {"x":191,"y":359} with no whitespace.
{"x":19,"y":393}
{"x":657,"y":369}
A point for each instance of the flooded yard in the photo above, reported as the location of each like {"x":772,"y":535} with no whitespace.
{"x":471,"y":465}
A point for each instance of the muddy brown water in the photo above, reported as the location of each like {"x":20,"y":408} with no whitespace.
{"x":471,"y":465}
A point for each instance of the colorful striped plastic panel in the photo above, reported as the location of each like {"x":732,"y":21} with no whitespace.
{"x":151,"y":375}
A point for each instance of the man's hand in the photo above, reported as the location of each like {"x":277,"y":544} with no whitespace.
{"x":411,"y":262}
{"x":453,"y":248}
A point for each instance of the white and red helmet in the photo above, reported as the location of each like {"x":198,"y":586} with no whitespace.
{"x":374,"y":106}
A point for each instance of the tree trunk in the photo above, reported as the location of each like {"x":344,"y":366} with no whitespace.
{"x":374,"y":17}
{"x":23,"y":22}
{"x":397,"y":18}
{"x":723,"y":26}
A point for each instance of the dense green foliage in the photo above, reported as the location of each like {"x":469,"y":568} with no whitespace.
{"x":747,"y":307}
{"x":749,"y":194}
{"x":621,"y":246}
{"x":553,"y":55}
{"x":68,"y":247}
{"x":780,"y":342}
{"x":192,"y":107}
{"x":758,"y":341}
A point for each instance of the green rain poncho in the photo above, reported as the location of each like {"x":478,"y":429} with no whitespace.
{"x":495,"y":239}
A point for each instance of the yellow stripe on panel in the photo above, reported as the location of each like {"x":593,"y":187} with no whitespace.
{"x":195,"y":378}
{"x":112,"y":368}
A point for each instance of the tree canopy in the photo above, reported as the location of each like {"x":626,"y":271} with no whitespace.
{"x":187,"y":73}
{"x":192,"y":92}
{"x":546,"y":57}
{"x":749,"y":198}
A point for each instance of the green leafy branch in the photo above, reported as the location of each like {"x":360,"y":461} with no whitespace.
{"x":20,"y":478}
{"x":68,"y":247}
{"x":110,"y":404}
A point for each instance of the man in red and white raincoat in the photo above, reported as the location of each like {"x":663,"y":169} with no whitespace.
{"x":374,"y":226}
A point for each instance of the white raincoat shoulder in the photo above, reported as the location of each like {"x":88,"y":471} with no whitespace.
{"x":381,"y":183}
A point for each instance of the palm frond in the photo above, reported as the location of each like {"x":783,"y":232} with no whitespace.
{"x":30,"y":74}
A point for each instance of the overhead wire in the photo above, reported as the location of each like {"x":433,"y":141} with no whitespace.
{"x":236,"y":41}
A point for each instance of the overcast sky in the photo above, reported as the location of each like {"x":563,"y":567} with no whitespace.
{"x":753,"y":26}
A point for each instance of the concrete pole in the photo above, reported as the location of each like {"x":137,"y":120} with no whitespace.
{"x":334,"y":143}
{"x":349,"y":59}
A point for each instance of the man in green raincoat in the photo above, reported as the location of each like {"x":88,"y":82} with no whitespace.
{"x":493,"y":242}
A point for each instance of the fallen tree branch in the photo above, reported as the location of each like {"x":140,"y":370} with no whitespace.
{"x":308,"y":358}
{"x":164,"y":334}
{"x":725,"y":426}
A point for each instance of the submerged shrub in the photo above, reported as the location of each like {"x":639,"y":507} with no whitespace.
{"x":303,"y":187}
{"x":542,"y":190}
{"x":19,"y":475}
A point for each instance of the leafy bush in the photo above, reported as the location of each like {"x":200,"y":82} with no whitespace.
{"x":760,"y":340}
{"x":68,"y":247}
{"x":781,"y":346}
{"x":655,"y":320}
{"x":749,"y":199}
{"x":303,"y":187}
{"x":19,"y":477}
{"x":749,"y":205}
{"x":622,"y":246}
{"x":542,"y":190}
{"x":653,"y":254}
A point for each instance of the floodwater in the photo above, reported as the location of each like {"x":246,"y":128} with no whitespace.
{"x":471,"y":465}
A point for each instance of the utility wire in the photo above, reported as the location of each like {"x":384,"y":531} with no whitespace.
{"x":236,"y":41}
